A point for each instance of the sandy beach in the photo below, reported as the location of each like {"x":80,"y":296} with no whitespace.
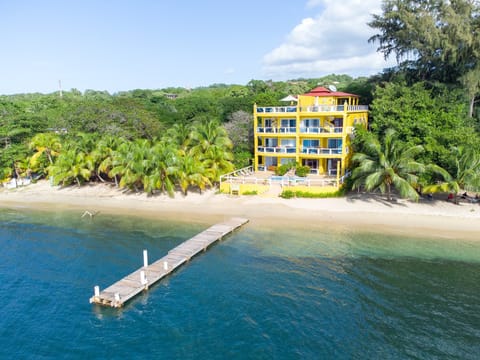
{"x":437,"y":218}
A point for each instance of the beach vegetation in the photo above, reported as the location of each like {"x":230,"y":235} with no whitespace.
{"x":212,"y":146}
{"x":289,"y":194}
{"x":191,"y":172}
{"x":47,"y":144}
{"x":284,"y":168}
{"x":302,"y":170}
{"x":71,"y":167}
{"x":436,"y":119}
{"x":192,"y":157}
{"x":297,"y":168}
{"x":387,"y":165}
{"x":466,"y":175}
{"x":239,"y":127}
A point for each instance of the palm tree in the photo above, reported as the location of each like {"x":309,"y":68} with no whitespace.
{"x":217,"y":163}
{"x":70,"y":167}
{"x":103,"y":155}
{"x":211,"y":145}
{"x":82,"y":142}
{"x":179,"y":136}
{"x":161,"y":168}
{"x":129,"y":163}
{"x":466,"y":176}
{"x":44,"y":143}
{"x":208,"y":133}
{"x":389,"y":164}
{"x":191,"y":172}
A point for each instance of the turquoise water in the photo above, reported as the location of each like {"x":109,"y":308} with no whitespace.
{"x":260,"y":293}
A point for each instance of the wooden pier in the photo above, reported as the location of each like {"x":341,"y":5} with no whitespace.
{"x":122,"y":291}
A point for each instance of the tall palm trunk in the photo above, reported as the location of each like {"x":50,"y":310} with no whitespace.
{"x":472,"y":106}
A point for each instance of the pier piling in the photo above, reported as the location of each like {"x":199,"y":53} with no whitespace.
{"x":145,"y":258}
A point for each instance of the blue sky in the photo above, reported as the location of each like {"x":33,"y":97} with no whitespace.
{"x":132,"y":44}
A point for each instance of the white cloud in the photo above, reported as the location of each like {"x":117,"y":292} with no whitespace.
{"x":314,"y":3}
{"x":334,"y":41}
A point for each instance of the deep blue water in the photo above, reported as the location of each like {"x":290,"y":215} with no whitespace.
{"x":260,"y":293}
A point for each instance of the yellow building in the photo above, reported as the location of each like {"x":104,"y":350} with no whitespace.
{"x":315,"y":130}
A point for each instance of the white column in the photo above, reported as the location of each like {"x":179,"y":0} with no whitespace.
{"x":165,"y":265}
{"x":143,"y":278}
{"x":145,"y":258}
{"x":96,"y":290}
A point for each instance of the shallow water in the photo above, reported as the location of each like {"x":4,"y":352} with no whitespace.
{"x":260,"y":293}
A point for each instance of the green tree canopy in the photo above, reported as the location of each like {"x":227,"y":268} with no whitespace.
{"x":435,"y":119}
{"x":435,"y":40}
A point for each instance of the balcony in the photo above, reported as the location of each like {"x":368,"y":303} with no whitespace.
{"x":275,"y":130}
{"x":321,"y":151}
{"x":277,"y":109}
{"x":277,"y":149}
{"x":333,"y":108}
{"x":310,"y":109}
{"x":320,"y":130}
{"x":357,"y":108}
{"x":303,"y":130}
{"x":322,"y":108}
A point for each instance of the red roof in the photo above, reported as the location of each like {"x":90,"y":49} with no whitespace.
{"x":321,"y":91}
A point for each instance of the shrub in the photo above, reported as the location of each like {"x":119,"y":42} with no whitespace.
{"x":302,"y":171}
{"x":282,"y":169}
{"x":287,"y":194}
{"x":250,"y":192}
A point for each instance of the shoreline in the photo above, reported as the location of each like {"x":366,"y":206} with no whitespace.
{"x":367,"y":213}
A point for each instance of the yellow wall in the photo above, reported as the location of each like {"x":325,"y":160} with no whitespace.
{"x":350,"y":118}
{"x":312,"y":189}
{"x":260,"y":189}
{"x":304,"y":100}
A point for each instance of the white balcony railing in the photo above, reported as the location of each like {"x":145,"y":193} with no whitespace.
{"x":321,"y":151}
{"x":277,"y":109}
{"x":313,"y":130}
{"x":322,"y":108}
{"x":277,"y":149}
{"x":321,"y":130}
{"x":287,"y":130}
{"x":275,"y":130}
{"x":303,"y":150}
{"x":314,"y":108}
{"x":357,"y":108}
{"x":303,"y":130}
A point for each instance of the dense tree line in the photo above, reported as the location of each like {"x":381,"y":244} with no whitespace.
{"x":424,"y":119}
{"x":185,"y":157}
{"x":429,"y":102}
{"x":136,"y":115}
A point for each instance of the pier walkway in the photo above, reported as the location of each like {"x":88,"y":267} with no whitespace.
{"x":122,"y":291}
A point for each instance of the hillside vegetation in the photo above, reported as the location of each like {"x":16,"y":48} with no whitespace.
{"x":163,"y":139}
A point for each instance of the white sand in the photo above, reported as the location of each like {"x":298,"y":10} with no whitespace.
{"x":437,"y":218}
